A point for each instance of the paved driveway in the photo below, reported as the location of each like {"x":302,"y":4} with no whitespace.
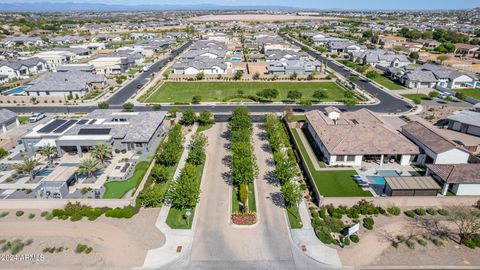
{"x":219,"y":245}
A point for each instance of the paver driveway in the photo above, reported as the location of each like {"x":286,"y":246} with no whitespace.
{"x":217,"y":244}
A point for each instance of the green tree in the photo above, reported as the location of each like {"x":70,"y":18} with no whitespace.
{"x":128,"y":106}
{"x":205,"y":118}
{"x":243,"y":197}
{"x":196,"y":155}
{"x":350,"y":103}
{"x":48,"y":151}
{"x":185,"y":191}
{"x":433,"y":94}
{"x":103,"y":105}
{"x":372,"y":74}
{"x":294,"y":94}
{"x":101,"y":151}
{"x":159,"y":174}
{"x":200,"y":76}
{"x":88,"y":166}
{"x":320,"y":94}
{"x":170,"y":150}
{"x":188,"y":117}
{"x":414,"y":55}
{"x":238,"y":75}
{"x":173,"y":111}
{"x":196,"y":99}
{"x":3,"y":152}
{"x":28,"y":165}
{"x":269,"y":93}
{"x":152,"y":196}
{"x":291,"y":194}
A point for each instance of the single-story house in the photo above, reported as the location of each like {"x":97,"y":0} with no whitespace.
{"x":465,"y":122}
{"x":110,"y":64}
{"x":350,"y":138}
{"x":64,"y":84}
{"x":460,"y":179}
{"x":8,"y":120}
{"x":435,"y":148}
{"x":22,"y":68}
{"x":201,"y":64}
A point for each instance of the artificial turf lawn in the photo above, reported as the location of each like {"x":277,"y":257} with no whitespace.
{"x":116,"y":189}
{"x":218,"y":91}
{"x":335,"y":183}
{"x":472,"y":92}
{"x":382,"y":80}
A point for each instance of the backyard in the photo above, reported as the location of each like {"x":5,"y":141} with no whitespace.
{"x":471,"y":92}
{"x":117,"y":189}
{"x":225,"y":91}
{"x":331,"y":183}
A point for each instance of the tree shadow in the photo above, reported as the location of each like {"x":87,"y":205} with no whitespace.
{"x":436,"y":227}
{"x":227,"y":178}
{"x":266,"y":148}
{"x":270,"y":162}
{"x":227,"y":160}
{"x":277,"y":199}
{"x":262,"y":136}
{"x":225,"y":135}
{"x":271,"y":178}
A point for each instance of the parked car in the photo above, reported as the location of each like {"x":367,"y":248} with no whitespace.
{"x":146,"y":68}
{"x":36,"y":117}
{"x":444,"y":95}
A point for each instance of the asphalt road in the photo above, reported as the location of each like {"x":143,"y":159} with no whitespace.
{"x":128,"y":90}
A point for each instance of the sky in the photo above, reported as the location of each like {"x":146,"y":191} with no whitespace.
{"x":306,"y":4}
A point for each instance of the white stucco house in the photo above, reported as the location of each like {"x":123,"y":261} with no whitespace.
{"x":460,"y":179}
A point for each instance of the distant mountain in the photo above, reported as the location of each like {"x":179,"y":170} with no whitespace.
{"x":77,"y":7}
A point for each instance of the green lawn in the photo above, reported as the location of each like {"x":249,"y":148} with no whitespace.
{"x":300,"y":118}
{"x":176,"y":217}
{"x":23,"y":119}
{"x":117,"y":189}
{"x":204,"y":128}
{"x":418,"y":97}
{"x":382,"y":80}
{"x":252,"y":206}
{"x":333,"y":183}
{"x":218,"y":91}
{"x":472,"y":92}
{"x":294,"y":218}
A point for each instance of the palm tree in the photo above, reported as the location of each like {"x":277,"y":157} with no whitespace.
{"x":102,"y":151}
{"x":28,"y":165}
{"x":48,"y":151}
{"x":88,"y":167}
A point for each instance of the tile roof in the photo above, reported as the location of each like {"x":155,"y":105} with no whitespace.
{"x":358,"y":133}
{"x":467,"y":117}
{"x":6,"y":115}
{"x":72,"y":80}
{"x":457,"y":173}
{"x":428,"y":137}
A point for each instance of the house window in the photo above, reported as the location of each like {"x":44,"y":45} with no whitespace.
{"x":138,"y":144}
{"x":341,"y":158}
{"x":350,"y":158}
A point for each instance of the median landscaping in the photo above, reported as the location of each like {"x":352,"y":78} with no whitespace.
{"x":183,"y":92}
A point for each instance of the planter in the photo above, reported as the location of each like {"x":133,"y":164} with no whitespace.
{"x":244,"y":219}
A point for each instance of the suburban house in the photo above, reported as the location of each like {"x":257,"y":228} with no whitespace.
{"x":434,"y":148}
{"x":283,"y":55}
{"x":110,"y":64}
{"x":466,"y":49}
{"x":22,"y":68}
{"x":75,"y":67}
{"x":287,"y":67}
{"x":465,"y":121}
{"x":460,"y":179}
{"x":201,"y":64}
{"x":22,"y":41}
{"x":380,"y":58}
{"x":65,"y":40}
{"x":351,"y":138}
{"x":64,"y":84}
{"x":390,"y":41}
{"x":344,"y":47}
{"x":430,"y":75}
{"x":8,"y":120}
{"x":125,"y":131}
{"x":56,"y":58}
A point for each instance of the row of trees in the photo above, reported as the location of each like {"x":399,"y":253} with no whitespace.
{"x":286,"y":168}
{"x":186,"y":189}
{"x":243,"y":167}
{"x":189,"y":117}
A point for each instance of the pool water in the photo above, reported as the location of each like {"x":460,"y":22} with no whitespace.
{"x":45,"y":172}
{"x":236,"y":59}
{"x":15,"y":91}
{"x":379,"y":179}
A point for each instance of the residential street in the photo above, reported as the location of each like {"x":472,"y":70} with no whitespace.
{"x":217,"y":244}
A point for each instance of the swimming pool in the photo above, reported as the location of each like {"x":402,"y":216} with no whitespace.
{"x":45,"y":172}
{"x":236,"y":59}
{"x":379,"y":179}
{"x":15,"y":91}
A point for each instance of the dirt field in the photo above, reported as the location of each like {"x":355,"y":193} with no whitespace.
{"x":375,"y":250}
{"x":118,"y":243}
{"x":258,"y":17}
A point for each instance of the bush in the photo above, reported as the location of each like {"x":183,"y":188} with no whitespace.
{"x":44,"y":214}
{"x":346,"y":241}
{"x":4,"y":214}
{"x":432,"y":211}
{"x":3,"y":153}
{"x":75,"y":218}
{"x":442,"y":212}
{"x":354,"y":238}
{"x":31,"y":215}
{"x":126,"y":212}
{"x":410,"y":244}
{"x":420,"y":211}
{"x":80,"y":248}
{"x":422,"y":242}
{"x":394,"y":210}
{"x":368,"y":223}
{"x":469,"y":243}
{"x":19,"y":213}
{"x":410,"y":213}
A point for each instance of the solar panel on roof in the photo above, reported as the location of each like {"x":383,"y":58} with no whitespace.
{"x":53,"y":125}
{"x":65,"y":126}
{"x":83,"y":121}
{"x":94,"y":131}
{"x":93,"y":121}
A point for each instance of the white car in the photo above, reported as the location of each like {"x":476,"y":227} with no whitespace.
{"x":444,"y":95}
{"x":36,"y":117}
{"x":146,"y":68}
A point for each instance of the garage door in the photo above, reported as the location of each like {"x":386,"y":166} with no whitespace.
{"x":473,"y":130}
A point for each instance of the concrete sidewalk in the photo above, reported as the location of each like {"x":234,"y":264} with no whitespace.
{"x":305,"y":237}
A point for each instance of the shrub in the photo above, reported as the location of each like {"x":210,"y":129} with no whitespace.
{"x":410,"y":213}
{"x":88,"y":250}
{"x":422,"y":242}
{"x":4,"y":214}
{"x":431,"y":211}
{"x":410,"y":244}
{"x":469,"y":243}
{"x":368,"y":223}
{"x":49,"y":217}
{"x":442,"y":212}
{"x":436,"y":241}
{"x":31,"y":215}
{"x":346,"y":241}
{"x":44,"y":214}
{"x":354,"y":238}
{"x":75,"y":218}
{"x":80,"y":248}
{"x":394,"y":210}
{"x":126,"y":212}
{"x":420,"y":211}
{"x":3,"y":153}
{"x":19,"y":213}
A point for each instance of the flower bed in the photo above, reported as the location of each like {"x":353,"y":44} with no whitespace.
{"x":244,"y":219}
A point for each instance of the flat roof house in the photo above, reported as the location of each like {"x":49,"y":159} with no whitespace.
{"x":461,"y":179}
{"x":126,"y":131}
{"x":350,"y":138}
{"x":435,"y":149}
{"x":465,"y":121}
